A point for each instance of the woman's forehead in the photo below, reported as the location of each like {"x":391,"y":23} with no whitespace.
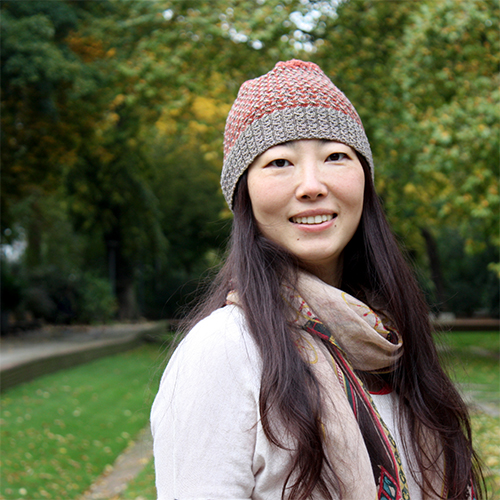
{"x":295,"y":143}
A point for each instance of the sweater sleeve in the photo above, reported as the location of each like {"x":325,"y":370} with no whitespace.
{"x":204,"y":418}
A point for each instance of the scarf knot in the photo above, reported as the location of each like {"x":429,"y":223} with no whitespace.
{"x":366,"y":338}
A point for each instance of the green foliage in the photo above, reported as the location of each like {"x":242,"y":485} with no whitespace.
{"x":61,"y":431}
{"x":423,"y":76}
{"x":49,"y":295}
{"x":30,"y":52}
{"x":60,"y":298}
{"x":50,"y":279}
{"x":95,"y":300}
{"x":41,"y":125}
{"x":358,"y":52}
{"x":448,"y":81}
{"x":56,"y":296}
{"x":11,"y":294}
{"x":470,"y":286}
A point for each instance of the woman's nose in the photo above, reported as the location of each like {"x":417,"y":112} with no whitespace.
{"x":310,"y":184}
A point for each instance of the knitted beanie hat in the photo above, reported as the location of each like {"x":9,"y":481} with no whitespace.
{"x":295,"y":100}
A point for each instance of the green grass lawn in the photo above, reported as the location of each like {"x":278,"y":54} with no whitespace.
{"x":61,"y":431}
{"x":472,"y":359}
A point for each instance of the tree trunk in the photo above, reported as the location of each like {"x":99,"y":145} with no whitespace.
{"x":121,"y":277}
{"x":127,"y":300}
{"x":34,"y":248}
{"x":435,"y":265}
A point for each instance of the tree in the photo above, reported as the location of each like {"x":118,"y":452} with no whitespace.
{"x":41,"y":79}
{"x":448,"y":87}
{"x":447,"y":73}
{"x":158,"y":70}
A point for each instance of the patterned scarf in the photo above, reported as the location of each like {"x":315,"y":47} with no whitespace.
{"x":361,"y":340}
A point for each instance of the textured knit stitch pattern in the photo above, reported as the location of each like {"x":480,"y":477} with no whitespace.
{"x":295,"y":100}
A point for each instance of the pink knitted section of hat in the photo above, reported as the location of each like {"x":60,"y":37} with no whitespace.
{"x":290,"y":84}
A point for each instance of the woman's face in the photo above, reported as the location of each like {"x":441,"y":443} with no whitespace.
{"x":307,"y":196}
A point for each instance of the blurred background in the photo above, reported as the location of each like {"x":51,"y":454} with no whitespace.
{"x":112,"y":121}
{"x":112,"y":124}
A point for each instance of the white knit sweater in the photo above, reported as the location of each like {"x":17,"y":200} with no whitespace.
{"x":208,"y":439}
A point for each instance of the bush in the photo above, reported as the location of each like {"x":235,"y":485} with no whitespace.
{"x":472,"y":288}
{"x":59,"y":297}
{"x":96,"y":302}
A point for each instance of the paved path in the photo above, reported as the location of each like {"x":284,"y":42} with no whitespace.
{"x":52,"y":340}
{"x":126,"y":467}
{"x":477,"y":398}
{"x":29,"y":355}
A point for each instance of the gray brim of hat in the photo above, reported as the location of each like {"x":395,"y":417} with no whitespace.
{"x":290,"y":125}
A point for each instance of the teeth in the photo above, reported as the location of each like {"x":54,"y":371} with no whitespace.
{"x":318,"y":219}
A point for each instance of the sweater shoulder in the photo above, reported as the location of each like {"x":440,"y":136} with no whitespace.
{"x":224,"y":328}
{"x":226,"y":324}
{"x":219,"y":342}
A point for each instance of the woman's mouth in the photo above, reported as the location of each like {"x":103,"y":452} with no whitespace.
{"x":313,"y":219}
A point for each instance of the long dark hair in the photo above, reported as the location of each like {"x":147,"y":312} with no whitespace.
{"x":374,"y":271}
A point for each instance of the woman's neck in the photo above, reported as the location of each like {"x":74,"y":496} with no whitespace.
{"x":331,"y":274}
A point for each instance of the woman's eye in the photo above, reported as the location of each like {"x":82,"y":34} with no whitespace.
{"x":279,"y":163}
{"x":336,"y":157}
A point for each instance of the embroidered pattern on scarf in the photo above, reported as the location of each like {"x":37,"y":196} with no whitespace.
{"x":388,"y":470}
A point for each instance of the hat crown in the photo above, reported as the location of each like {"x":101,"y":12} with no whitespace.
{"x":288,"y":85}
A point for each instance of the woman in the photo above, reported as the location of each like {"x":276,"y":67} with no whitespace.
{"x":310,"y":369}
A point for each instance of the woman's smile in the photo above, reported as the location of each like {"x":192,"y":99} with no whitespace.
{"x":312,"y":219}
{"x":307,"y":196}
